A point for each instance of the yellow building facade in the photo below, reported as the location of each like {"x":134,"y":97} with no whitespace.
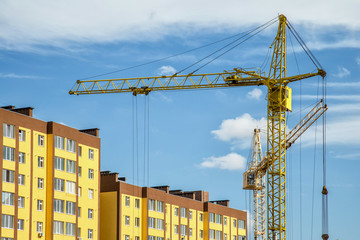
{"x":50,"y":179}
{"x":129,"y":212}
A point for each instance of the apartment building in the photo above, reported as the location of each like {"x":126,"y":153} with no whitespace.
{"x":50,"y":179}
{"x":129,"y":212}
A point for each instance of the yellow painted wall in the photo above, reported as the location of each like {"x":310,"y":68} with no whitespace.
{"x":108,"y":215}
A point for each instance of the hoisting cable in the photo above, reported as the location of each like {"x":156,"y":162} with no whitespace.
{"x":168,"y":57}
{"x":261,"y":27}
{"x":314,"y":170}
{"x":146,"y":169}
{"x":325,"y":229}
{"x":304,"y":47}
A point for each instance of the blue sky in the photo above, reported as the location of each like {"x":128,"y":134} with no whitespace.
{"x":198,"y":139}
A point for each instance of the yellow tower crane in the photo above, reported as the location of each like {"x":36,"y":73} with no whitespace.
{"x":278,"y":103}
{"x":254,"y":176}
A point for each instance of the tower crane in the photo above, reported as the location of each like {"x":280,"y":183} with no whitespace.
{"x":254,"y":176}
{"x":278,"y":103}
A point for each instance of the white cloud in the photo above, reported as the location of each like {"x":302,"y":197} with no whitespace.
{"x":166,"y":70}
{"x":239,"y":130}
{"x":358,"y":60}
{"x":340,"y":132}
{"x":13,"y":75}
{"x":255,"y":94}
{"x":342,"y":72}
{"x":161,"y":96}
{"x":332,"y":97}
{"x":232,"y":161}
{"x":27,"y":24}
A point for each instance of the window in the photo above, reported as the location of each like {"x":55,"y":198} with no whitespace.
{"x":58,"y":205}
{"x":40,"y":205}
{"x":59,"y":142}
{"x":225,"y":221}
{"x":70,"y":187}
{"x":6,"y":238}
{"x":190,"y":232}
{"x":21,"y":202}
{"x":151,"y":222}
{"x":201,"y":216}
{"x":127,"y":220}
{"x":79,"y":171}
{"x":70,"y":229}
{"x":240,"y":237}
{"x":59,"y":163}
{"x":91,"y":154}
{"x":137,"y":203}
{"x":70,"y":208}
{"x":90,"y":234}
{"x":79,"y":232}
{"x":8,"y":176}
{"x":70,"y":166}
{"x":40,"y":162}
{"x":159,"y":238}
{"x":160,"y":206}
{"x":79,"y":211}
{"x":241,"y":224}
{"x":176,"y":229}
{"x":127,"y":201}
{"x":160,"y":224}
{"x":137,"y":222}
{"x":40,"y":183}
{"x":211,"y":234}
{"x":90,"y":213}
{"x":127,"y":237}
{"x":212,"y":217}
{"x":151,"y":237}
{"x":218,"y":219}
{"x":91,"y":193}
{"x":151,"y":206}
{"x":8,"y":153}
{"x":234,"y":237}
{"x":59,"y":184}
{"x":21,"y":157}
{"x":39,"y":227}
{"x":21,"y":178}
{"x":183,"y":230}
{"x":41,"y":140}
{"x":9,"y":130}
{"x":8,"y":198}
{"x":201,"y":234}
{"x":20,"y":224}
{"x":225,"y":236}
{"x":58,"y":227}
{"x":176,"y":211}
{"x":22,"y":135}
{"x":234,"y":223}
{"x":183,"y":212}
{"x":137,"y":238}
{"x":79,"y":151}
{"x":218,"y":235}
{"x":190,"y":214}
{"x":79,"y":191}
{"x":91,"y":173}
{"x":7,"y":221}
{"x":70,"y":145}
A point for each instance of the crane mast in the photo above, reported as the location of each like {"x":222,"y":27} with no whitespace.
{"x":278,"y":102}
